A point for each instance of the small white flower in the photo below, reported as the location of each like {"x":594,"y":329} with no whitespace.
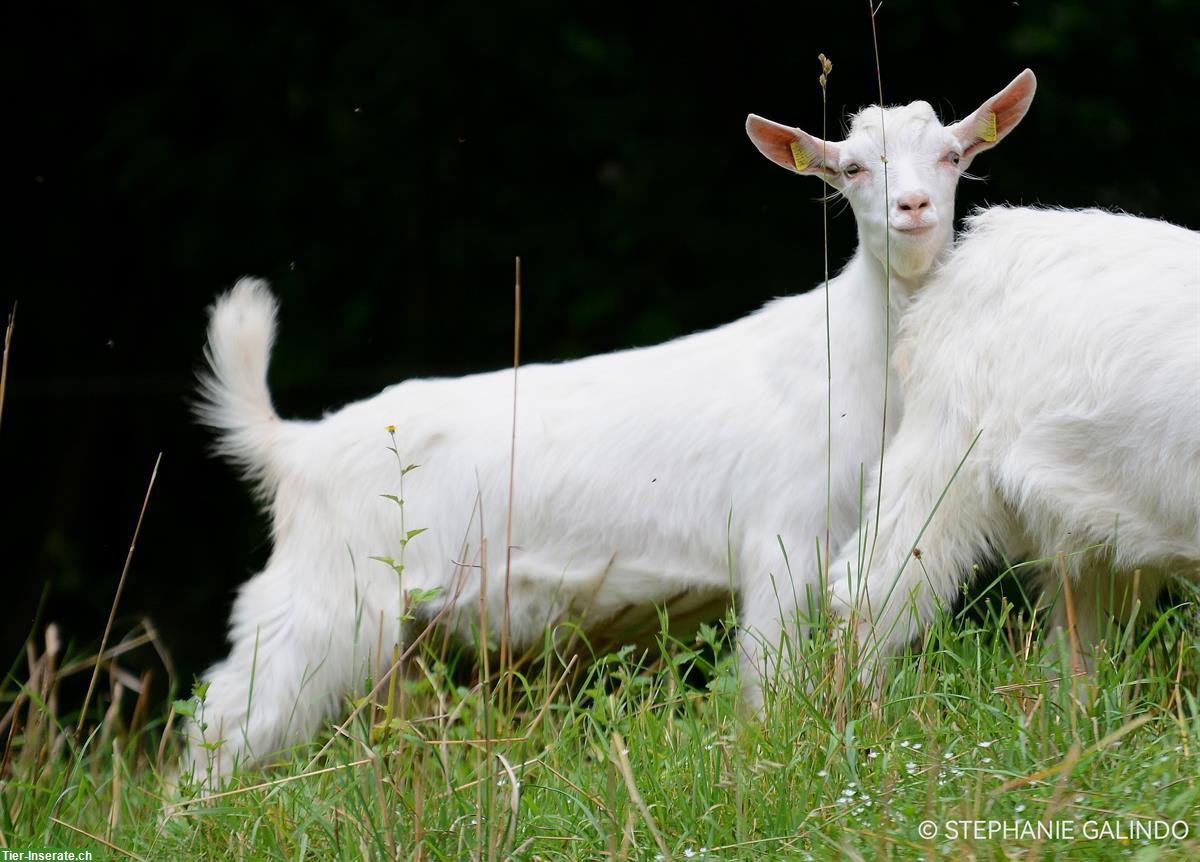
{"x":986,"y":760}
{"x":871,"y":755}
{"x":916,"y":746}
{"x":1018,"y":809}
{"x":904,"y":743}
{"x":987,"y":743}
{"x":822,"y":773}
{"x":948,"y":755}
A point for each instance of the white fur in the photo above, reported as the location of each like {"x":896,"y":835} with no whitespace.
{"x":1069,"y":342}
{"x":640,"y":475}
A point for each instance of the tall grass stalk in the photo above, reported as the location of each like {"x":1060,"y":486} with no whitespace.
{"x":8,"y":332}
{"x":887,"y":281}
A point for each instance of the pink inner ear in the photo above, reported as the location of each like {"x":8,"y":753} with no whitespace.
{"x":776,"y":141}
{"x":996,"y":117}
{"x":1011,"y":103}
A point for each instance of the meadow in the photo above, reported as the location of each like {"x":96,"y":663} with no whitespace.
{"x":983,"y":730}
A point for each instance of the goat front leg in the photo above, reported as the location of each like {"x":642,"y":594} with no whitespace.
{"x":775,"y":613}
{"x":935,"y":514}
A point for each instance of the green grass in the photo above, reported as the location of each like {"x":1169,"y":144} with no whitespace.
{"x":630,"y":756}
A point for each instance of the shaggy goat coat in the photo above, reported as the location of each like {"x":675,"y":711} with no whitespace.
{"x":1051,"y":377}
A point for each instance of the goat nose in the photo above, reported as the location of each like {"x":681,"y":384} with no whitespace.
{"x":913,"y":202}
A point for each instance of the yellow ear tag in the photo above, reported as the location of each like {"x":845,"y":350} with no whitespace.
{"x":800,"y":156}
{"x":987,"y":127}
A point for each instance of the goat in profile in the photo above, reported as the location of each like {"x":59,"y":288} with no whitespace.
{"x":684,"y":468}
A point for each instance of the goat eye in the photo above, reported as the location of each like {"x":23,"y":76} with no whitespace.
{"x":851,"y":169}
{"x":955,"y":158}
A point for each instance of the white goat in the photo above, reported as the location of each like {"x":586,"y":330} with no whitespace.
{"x":640,"y":475}
{"x":1051,"y":377}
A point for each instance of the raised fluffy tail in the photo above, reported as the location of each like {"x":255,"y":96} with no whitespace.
{"x":234,"y":398}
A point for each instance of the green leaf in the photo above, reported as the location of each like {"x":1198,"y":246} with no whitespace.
{"x":414,"y":533}
{"x":398,"y":568}
{"x":684,"y":656}
{"x":185,"y":707}
{"x":404,"y":471}
{"x":723,"y":684}
{"x":418,"y":595}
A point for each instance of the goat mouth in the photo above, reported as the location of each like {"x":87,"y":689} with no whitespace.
{"x":914,"y":230}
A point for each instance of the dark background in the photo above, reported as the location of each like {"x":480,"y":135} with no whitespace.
{"x":382,"y":164}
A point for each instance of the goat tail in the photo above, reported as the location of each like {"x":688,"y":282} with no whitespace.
{"x":234,"y":398}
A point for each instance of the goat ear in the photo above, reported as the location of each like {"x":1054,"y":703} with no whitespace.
{"x":792,"y":148}
{"x":996,"y":117}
